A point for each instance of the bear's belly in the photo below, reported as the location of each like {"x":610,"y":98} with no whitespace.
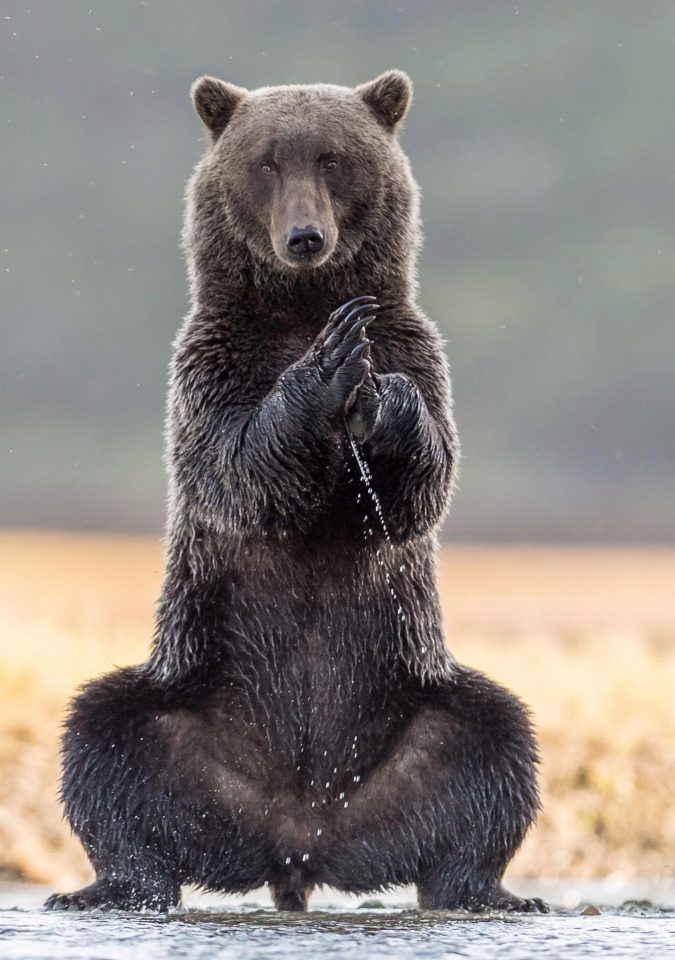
{"x":298,"y":792}
{"x":305,"y":819}
{"x":303,"y":745}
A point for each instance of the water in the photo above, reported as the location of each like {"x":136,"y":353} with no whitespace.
{"x":367,"y":478}
{"x":251,"y":932}
{"x":367,"y":481}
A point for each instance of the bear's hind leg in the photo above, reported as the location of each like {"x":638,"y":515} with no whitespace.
{"x":116,"y":798}
{"x":494,"y":800}
{"x":158,"y":800}
{"x":449,"y":805}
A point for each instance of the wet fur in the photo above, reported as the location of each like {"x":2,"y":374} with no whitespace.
{"x":289,"y":728}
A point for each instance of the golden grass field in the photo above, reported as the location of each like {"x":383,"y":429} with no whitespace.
{"x":585,"y":636}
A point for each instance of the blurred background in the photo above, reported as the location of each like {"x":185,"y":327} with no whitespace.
{"x":543,"y":138}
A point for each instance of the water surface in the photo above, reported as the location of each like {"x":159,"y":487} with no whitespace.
{"x":251,"y":932}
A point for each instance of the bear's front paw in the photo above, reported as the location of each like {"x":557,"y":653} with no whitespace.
{"x":362,"y":415}
{"x":342,"y":352}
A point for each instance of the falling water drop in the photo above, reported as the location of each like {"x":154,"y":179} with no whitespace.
{"x":367,"y":481}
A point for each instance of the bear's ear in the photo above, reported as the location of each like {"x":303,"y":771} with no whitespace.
{"x":215,"y":102}
{"x":388,"y":96}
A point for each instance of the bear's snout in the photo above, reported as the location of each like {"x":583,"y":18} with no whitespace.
{"x":304,"y":241}
{"x":302,"y":224}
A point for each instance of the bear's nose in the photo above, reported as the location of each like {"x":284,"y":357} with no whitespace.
{"x":303,"y":240}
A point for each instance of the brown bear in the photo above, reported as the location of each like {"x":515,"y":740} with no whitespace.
{"x":300,"y":721}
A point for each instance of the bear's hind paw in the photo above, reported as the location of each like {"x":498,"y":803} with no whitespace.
{"x":115,"y":895}
{"x":504,"y":901}
{"x":79,"y":900}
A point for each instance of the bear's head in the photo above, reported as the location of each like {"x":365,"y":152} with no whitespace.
{"x":302,"y":176}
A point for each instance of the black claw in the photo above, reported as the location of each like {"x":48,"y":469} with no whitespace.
{"x":341,"y":321}
{"x":367,"y":298}
{"x":61,"y":902}
{"x":361,"y":350}
{"x":360,"y":325}
{"x":338,"y":336}
{"x":348,"y":306}
{"x":356,"y":313}
{"x":353,"y":336}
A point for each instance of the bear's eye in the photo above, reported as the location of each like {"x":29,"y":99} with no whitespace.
{"x":329,"y":163}
{"x":267,"y":169}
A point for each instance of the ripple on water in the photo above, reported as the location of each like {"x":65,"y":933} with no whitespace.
{"x":250,"y":934}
